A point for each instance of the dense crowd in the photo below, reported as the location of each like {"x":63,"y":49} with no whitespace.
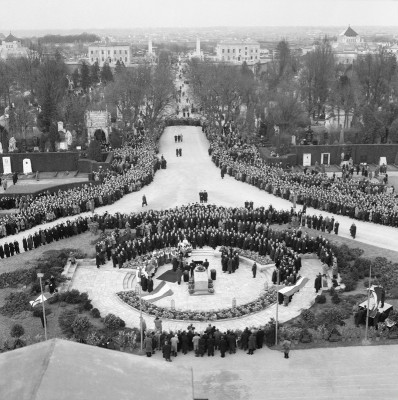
{"x":134,"y":166}
{"x":357,"y":198}
{"x":210,"y":225}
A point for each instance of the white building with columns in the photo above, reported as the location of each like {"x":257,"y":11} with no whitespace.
{"x":238,"y":51}
{"x":109,"y":53}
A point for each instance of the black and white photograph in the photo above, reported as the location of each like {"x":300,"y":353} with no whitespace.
{"x":184,"y":184}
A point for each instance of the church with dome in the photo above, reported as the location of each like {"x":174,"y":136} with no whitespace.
{"x":348,"y":46}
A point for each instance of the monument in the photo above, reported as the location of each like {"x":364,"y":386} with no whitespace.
{"x":98,"y":120}
{"x":12,"y":144}
{"x":201,"y":281}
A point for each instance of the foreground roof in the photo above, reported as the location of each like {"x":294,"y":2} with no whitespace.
{"x":60,"y":369}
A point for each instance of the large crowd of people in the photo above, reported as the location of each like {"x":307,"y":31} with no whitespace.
{"x":357,"y":198}
{"x":133,"y":167}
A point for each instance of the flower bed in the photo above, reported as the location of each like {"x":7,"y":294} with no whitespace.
{"x":251,"y":255}
{"x":262,"y":302}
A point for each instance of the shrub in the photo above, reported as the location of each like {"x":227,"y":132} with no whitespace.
{"x":335,"y":299}
{"x":18,"y":277}
{"x":95,"y":313}
{"x":308,"y":317}
{"x":320,"y":299}
{"x":349,"y":282}
{"x":65,"y":321}
{"x":17,"y":331}
{"x":81,"y":326}
{"x":15,"y":303}
{"x":361,"y":266}
{"x":330,"y":318}
{"x":94,"y":151}
{"x":113,"y":322}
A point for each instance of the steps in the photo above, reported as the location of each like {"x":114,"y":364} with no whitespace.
{"x":129,"y":281}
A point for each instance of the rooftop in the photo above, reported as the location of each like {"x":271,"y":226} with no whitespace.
{"x":11,"y":38}
{"x":349,"y":32}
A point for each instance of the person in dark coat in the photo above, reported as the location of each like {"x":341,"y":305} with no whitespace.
{"x":177,"y":152}
{"x":144,"y":202}
{"x":16,"y":246}
{"x":201,"y":346}
{"x":336,"y":228}
{"x":260,"y":338}
{"x":1,"y":251}
{"x":210,"y":346}
{"x":144,"y":283}
{"x":252,"y":343}
{"x":180,"y":152}
{"x":223,"y":346}
{"x":11,"y":246}
{"x":244,"y":339}
{"x":318,"y":283}
{"x":7,"y":250}
{"x":254,"y":270}
{"x":179,"y":275}
{"x":25,"y":244}
{"x":167,"y":351}
{"x":353,"y":230}
{"x":150,"y":285}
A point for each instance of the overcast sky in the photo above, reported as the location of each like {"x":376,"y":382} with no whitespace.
{"x":89,"y":14}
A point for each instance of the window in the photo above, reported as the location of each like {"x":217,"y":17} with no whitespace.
{"x":92,"y":52}
{"x":240,"y":50}
{"x":125,"y":52}
{"x":251,"y":57}
{"x":102,"y":51}
{"x":109,"y":52}
{"x":102,"y":59}
{"x":120,"y":52}
{"x":245,"y":48}
{"x":223,"y":50}
{"x":233,"y":50}
{"x":92,"y":59}
{"x":125,"y":59}
{"x":246,"y":53}
{"x":228,"y":50}
{"x":114,"y":51}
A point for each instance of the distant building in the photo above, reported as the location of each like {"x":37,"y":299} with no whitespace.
{"x":238,"y":52}
{"x":109,"y":53}
{"x":11,"y":47}
{"x":348,"y":46}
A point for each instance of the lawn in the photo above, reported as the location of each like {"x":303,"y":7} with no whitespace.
{"x":29,"y":259}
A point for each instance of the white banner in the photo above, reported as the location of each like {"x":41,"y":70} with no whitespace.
{"x":7,"y":165}
{"x":307,"y":159}
{"x":27,"y":166}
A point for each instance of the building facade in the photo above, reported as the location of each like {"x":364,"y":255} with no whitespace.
{"x":109,"y":53}
{"x":238,"y":52}
{"x":348,"y":46}
{"x":12,"y":47}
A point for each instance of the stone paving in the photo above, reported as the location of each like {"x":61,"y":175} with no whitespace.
{"x":103,"y":284}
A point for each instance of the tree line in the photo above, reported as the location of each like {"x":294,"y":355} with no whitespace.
{"x":295,"y":90}
{"x":39,"y":92}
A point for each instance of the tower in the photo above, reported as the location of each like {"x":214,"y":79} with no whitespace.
{"x":197,"y":47}
{"x":150,"y":52}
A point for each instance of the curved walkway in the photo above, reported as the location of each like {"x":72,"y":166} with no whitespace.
{"x":185,"y":176}
{"x":103,"y":284}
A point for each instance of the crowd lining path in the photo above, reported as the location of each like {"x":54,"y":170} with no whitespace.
{"x":185,"y":176}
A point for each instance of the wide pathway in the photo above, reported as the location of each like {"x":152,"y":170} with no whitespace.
{"x":185,"y":176}
{"x":103,"y":284}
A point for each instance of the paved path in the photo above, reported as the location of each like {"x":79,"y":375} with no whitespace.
{"x":103,"y":284}
{"x":185,"y":176}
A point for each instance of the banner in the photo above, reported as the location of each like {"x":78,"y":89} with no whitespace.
{"x":27,"y":166}
{"x":7,"y":165}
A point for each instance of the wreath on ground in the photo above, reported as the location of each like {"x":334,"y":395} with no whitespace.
{"x":263,"y":301}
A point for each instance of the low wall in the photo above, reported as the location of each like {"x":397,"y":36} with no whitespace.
{"x":43,"y":162}
{"x":368,"y":153}
{"x":52,"y":189}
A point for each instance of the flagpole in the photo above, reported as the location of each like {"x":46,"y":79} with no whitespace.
{"x":367,"y":311}
{"x":277,"y":304}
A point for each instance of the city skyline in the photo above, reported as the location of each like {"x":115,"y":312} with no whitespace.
{"x":45,"y":15}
